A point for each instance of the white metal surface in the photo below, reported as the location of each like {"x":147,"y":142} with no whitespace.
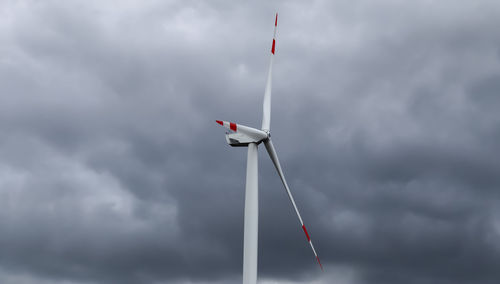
{"x":274,"y":157}
{"x":250,"y":242}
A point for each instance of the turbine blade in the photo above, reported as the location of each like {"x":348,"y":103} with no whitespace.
{"x":274,"y":157}
{"x":266,"y":109}
{"x":251,"y":132}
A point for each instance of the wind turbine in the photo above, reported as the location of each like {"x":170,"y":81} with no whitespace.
{"x":244,"y":136}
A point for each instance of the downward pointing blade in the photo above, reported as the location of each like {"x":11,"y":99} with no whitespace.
{"x":274,"y":157}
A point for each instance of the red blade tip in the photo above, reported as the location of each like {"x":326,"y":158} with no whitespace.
{"x":219,"y":122}
{"x":317,"y":258}
{"x":276,"y":21}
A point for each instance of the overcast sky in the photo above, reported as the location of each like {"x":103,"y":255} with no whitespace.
{"x":385,"y":117}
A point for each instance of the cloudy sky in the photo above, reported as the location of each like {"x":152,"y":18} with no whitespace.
{"x":385,"y":117}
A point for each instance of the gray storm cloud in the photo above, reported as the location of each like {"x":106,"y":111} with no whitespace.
{"x":385,"y":118}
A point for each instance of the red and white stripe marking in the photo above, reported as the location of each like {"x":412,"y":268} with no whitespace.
{"x":274,"y":35}
{"x":311,"y":244}
{"x":231,"y":125}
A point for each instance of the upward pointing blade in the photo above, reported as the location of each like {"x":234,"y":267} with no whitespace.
{"x":266,"y":108}
{"x":274,"y":157}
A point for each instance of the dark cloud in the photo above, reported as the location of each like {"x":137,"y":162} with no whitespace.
{"x":112,"y":168}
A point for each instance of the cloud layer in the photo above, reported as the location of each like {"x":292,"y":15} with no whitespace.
{"x":385,"y":118}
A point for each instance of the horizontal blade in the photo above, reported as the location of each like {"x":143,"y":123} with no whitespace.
{"x":274,"y":157}
{"x":253,"y":133}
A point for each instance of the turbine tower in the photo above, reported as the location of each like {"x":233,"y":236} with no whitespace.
{"x":244,"y":136}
